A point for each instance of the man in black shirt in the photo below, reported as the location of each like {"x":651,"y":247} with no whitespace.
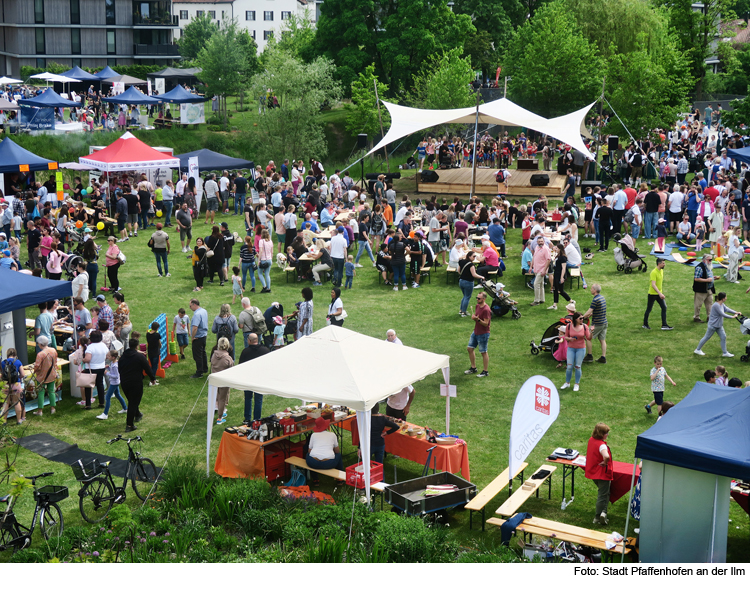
{"x":134,"y":208}
{"x":240,"y":193}
{"x":132,"y":365}
{"x":651,"y":217}
{"x":33,"y":240}
{"x":378,"y":423}
{"x":252,"y":351}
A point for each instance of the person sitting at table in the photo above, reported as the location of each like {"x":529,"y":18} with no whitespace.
{"x":168,"y":114}
{"x":379,"y":423}
{"x":489,"y":261}
{"x":323,"y":448}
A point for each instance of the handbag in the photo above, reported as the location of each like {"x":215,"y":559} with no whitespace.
{"x":85,"y":380}
{"x":342,"y":315}
{"x":121,"y":257}
{"x":210,"y":253}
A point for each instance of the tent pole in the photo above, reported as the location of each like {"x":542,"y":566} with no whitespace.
{"x":474,"y":157}
{"x":380,"y":118}
{"x":627,"y":517}
{"x":713,"y":520}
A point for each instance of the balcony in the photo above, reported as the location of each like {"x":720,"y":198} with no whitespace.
{"x":160,"y":50}
{"x":162,"y":20}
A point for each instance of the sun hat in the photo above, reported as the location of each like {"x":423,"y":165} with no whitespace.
{"x":571,"y":307}
{"x":278,"y":320}
{"x":321,"y":425}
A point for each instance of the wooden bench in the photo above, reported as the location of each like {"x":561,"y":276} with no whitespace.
{"x":425,"y":272}
{"x":33,"y":344}
{"x":489,"y":492}
{"x":518,"y":498}
{"x":574,"y":273}
{"x":567,"y":533}
{"x":289,"y":271}
{"x":331,"y":472}
{"x":451,"y":272}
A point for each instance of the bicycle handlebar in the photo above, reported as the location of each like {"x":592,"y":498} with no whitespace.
{"x":43,"y":475}
{"x":121,"y":438}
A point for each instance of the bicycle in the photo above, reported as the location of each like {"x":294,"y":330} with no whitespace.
{"x":47,"y":513}
{"x":99,"y":491}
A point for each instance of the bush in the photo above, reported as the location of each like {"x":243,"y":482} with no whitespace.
{"x":410,"y":539}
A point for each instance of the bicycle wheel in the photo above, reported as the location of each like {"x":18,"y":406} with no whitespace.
{"x":51,"y":521}
{"x":95,"y":500}
{"x":143,"y":478}
{"x":7,"y":535}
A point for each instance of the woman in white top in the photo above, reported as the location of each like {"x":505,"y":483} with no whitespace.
{"x":265,"y":255}
{"x":336,"y":308}
{"x":735,"y":250}
{"x":323,"y":451}
{"x":95,"y":357}
{"x":290,"y":225}
{"x":456,"y":253}
{"x":80,"y":284}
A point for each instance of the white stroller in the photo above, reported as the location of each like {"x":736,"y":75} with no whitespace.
{"x":626,"y":255}
{"x":745,"y":329}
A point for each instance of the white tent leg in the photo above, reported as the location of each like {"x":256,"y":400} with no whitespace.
{"x":212,"y":390}
{"x":447,"y":377}
{"x":364,"y":424}
{"x":627,"y":517}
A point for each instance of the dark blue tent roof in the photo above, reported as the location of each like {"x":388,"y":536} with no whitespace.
{"x":132,"y":96}
{"x":106,"y":73}
{"x":743,"y":154}
{"x":21,"y":290}
{"x":49,"y":98}
{"x":209,"y":160}
{"x":708,"y":431}
{"x":79,"y":74}
{"x":12,"y":156}
{"x":179,"y":95}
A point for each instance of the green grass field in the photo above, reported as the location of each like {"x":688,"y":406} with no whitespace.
{"x":428,"y":318}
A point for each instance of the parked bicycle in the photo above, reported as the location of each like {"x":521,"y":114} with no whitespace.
{"x":46,"y":513}
{"x":99,"y":491}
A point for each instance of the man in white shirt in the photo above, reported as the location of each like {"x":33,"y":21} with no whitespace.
{"x":635,"y":225}
{"x":574,"y":258}
{"x":224,"y":190}
{"x":179,"y":190}
{"x":338,"y":255}
{"x":401,"y":212}
{"x":391,"y":337}
{"x":212,"y":197}
{"x":167,"y":194}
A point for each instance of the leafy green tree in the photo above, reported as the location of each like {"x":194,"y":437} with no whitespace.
{"x":297,"y":36}
{"x":293,"y":130}
{"x":554,"y":69}
{"x":495,"y":21}
{"x":739,"y":112}
{"x":444,"y":82}
{"x":480,"y":48}
{"x":252,"y":64}
{"x":362,"y":113}
{"x":195,"y":35}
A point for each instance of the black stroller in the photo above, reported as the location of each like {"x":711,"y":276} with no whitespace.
{"x":289,"y":329}
{"x":745,"y":324}
{"x":549,"y":337}
{"x":626,"y":255}
{"x":501,"y":302}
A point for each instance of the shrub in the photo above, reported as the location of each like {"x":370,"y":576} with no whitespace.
{"x":410,"y":539}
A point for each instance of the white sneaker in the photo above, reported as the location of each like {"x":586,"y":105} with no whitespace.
{"x":395,"y":288}
{"x":122,"y":411}
{"x":575,"y":387}
{"x":552,"y":307}
{"x":565,"y":385}
{"x":698,"y":352}
{"x":603,"y":518}
{"x":102,"y":416}
{"x":169,"y":274}
{"x":478,"y":286}
{"x":357,"y":266}
{"x":131,"y":234}
{"x":404,"y":288}
{"x":154,"y":383}
{"x":727,"y":354}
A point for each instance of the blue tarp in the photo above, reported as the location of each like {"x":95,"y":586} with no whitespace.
{"x":209,"y":160}
{"x":132,"y":96}
{"x":179,"y":95}
{"x":106,"y":73}
{"x":21,"y":290}
{"x":708,"y":431}
{"x":743,"y":154}
{"x":35,"y":119}
{"x":12,"y":156}
{"x":80,"y":74}
{"x":49,"y":98}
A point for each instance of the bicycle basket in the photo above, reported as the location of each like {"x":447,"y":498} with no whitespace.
{"x":51,"y":493}
{"x":86,"y":471}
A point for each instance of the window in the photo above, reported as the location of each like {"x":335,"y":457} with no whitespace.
{"x":75,"y":41}
{"x":285,"y":14}
{"x":111,"y":62}
{"x":75,"y":12}
{"x":76,"y":61}
{"x":212,"y":13}
{"x":268,"y":15}
{"x":40,"y":46}
{"x":184,"y":15}
{"x":252,"y":34}
{"x":41,"y":62}
{"x":109,"y":11}
{"x":267,"y":35}
{"x":111,"y":44}
{"x":38,"y":11}
{"x":198,"y":13}
{"x":249,"y":15}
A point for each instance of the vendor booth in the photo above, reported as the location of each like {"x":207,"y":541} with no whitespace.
{"x":191,"y":105}
{"x":689,"y":459}
{"x":37,"y":113}
{"x":353,"y":384}
{"x":16,"y":163}
{"x":210,"y":160}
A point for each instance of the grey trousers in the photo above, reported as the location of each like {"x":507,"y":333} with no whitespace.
{"x":602,"y":497}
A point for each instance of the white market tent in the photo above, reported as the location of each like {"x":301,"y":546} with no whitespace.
{"x":358,"y":381}
{"x":407,"y":120}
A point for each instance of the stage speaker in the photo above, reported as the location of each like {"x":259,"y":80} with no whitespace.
{"x":591,"y":184}
{"x":373,"y":176}
{"x":429,"y":176}
{"x":362,"y":141}
{"x":612,"y":142}
{"x":539,"y":180}
{"x":561,"y":168}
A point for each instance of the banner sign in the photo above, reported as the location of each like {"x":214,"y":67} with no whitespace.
{"x":192,"y":113}
{"x":536,"y":408}
{"x":33,"y":118}
{"x":159,"y":85}
{"x":194,"y":172}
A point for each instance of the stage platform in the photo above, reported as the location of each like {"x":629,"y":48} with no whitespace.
{"x":457,"y":181}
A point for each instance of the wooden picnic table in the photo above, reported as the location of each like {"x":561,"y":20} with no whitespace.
{"x":528,"y":488}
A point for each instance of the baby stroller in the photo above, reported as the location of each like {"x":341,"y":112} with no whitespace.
{"x":549,"y":337}
{"x":289,"y":330}
{"x":745,"y":329}
{"x":70,"y":265}
{"x":626,"y":255}
{"x":501,"y":302}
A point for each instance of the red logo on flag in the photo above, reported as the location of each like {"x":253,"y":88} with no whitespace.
{"x":542,"y":396}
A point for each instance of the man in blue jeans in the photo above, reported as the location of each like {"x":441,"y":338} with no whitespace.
{"x":240,"y":193}
{"x":252,"y":351}
{"x":338,"y":250}
{"x":482,"y":318}
{"x":378,"y":423}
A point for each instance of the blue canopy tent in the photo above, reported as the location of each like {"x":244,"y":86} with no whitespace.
{"x":132,"y":96}
{"x":49,"y":98}
{"x":179,"y":95}
{"x":209,"y":160}
{"x":689,"y":458}
{"x":106,"y":73}
{"x":80,"y":74}
{"x":13,"y":157}
{"x":742,"y":155}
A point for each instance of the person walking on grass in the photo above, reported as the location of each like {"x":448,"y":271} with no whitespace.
{"x":658,"y":377}
{"x":719,"y":311}
{"x":480,"y":336}
{"x":598,"y":314}
{"x":540,"y":265}
{"x":655,"y":294}
{"x":576,"y":335}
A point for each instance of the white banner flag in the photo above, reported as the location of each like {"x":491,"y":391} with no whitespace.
{"x":536,"y":408}
{"x":192,"y":114}
{"x":194,"y":172}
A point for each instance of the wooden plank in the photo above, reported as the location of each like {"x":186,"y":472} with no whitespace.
{"x":659,"y":246}
{"x":332,"y":472}
{"x":490,"y":491}
{"x":458,"y":181}
{"x":514,"y":503}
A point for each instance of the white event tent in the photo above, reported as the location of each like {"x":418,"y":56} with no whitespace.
{"x":363,"y":371}
{"x":408,"y":120}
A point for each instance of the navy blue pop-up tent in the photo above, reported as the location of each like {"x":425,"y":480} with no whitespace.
{"x":132,"y":96}
{"x":49,"y":98}
{"x":13,"y":156}
{"x":209,"y":160}
{"x":106,"y":73}
{"x":743,"y":154}
{"x":80,"y":74}
{"x":179,"y":95}
{"x":21,"y":290}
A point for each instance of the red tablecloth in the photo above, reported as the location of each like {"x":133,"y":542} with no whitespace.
{"x":743,"y":500}
{"x":623,"y":476}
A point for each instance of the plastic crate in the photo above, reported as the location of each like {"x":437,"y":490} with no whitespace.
{"x":51,"y":493}
{"x":288,"y":425}
{"x":357,"y":479}
{"x":86,"y":471}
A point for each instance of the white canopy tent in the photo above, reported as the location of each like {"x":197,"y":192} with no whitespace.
{"x":407,"y":120}
{"x":359,"y":380}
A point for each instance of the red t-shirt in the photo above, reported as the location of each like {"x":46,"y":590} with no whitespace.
{"x":632,"y":194}
{"x":711,"y":193}
{"x":483,"y":313}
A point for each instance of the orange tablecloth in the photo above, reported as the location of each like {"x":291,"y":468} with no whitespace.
{"x":239,"y":457}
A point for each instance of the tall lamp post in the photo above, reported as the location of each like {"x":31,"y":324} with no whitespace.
{"x":477,"y":85}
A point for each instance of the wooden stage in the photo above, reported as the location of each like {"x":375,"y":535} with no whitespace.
{"x":457,"y":181}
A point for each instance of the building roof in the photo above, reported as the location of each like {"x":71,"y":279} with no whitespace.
{"x":736,"y":32}
{"x":203,"y":2}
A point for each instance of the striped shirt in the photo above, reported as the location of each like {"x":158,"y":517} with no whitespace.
{"x":599,"y":310}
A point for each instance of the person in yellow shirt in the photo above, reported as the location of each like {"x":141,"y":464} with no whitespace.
{"x":655,"y":294}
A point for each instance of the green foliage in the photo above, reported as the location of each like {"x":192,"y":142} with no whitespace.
{"x":120,"y":518}
{"x":494,"y":23}
{"x":444,"y":82}
{"x":195,"y":36}
{"x":296,"y":37}
{"x":739,"y":113}
{"x":362,"y":112}
{"x":554,"y":68}
{"x":483,"y":53}
{"x":411,"y":539}
{"x":329,"y":549}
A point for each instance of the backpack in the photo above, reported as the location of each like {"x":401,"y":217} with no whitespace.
{"x":224,"y":331}
{"x":629,"y":216}
{"x":10,"y":372}
{"x":258,"y":320}
{"x":500,"y":176}
{"x":377,"y":223}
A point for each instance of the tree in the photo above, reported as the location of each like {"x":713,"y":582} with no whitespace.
{"x":739,"y":112}
{"x":362,"y":113}
{"x":297,"y":36}
{"x":553,"y":67}
{"x":195,"y":35}
{"x":480,"y":48}
{"x":293,"y":129}
{"x":444,"y":82}
{"x":494,"y":22}
{"x":224,"y":64}
{"x":252,"y":65}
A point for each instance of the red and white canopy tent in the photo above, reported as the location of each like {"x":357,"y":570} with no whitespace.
{"x":128,"y":153}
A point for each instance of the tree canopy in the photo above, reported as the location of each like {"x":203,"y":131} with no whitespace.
{"x":362,"y":113}
{"x":195,"y":35}
{"x":444,"y":82}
